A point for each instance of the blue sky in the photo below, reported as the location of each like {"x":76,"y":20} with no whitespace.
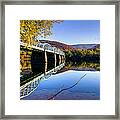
{"x":76,"y":32}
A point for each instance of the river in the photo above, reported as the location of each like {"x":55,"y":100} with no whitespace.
{"x":72,"y":82}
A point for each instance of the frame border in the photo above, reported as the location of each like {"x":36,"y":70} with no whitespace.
{"x":55,"y":2}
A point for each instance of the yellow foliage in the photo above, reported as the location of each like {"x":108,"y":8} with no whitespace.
{"x":30,"y":29}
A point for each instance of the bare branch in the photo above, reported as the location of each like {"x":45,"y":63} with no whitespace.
{"x":66,"y":88}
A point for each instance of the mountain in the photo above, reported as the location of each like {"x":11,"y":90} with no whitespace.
{"x":86,"y":46}
{"x":59,"y":45}
{"x":65,"y":47}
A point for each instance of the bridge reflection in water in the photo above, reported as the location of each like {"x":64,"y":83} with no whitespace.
{"x":29,"y":87}
{"x":37,"y":63}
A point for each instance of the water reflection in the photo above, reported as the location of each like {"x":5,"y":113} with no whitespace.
{"x":83,"y":66}
{"x":51,"y":80}
{"x":31,"y":83}
{"x":86,"y":89}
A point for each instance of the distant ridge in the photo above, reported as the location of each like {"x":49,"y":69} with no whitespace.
{"x":66,"y":47}
{"x":86,"y":46}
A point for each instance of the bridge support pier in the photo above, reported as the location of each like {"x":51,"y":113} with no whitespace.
{"x":63,"y":59}
{"x":46,"y":57}
{"x":45,"y":68}
{"x":59,"y":59}
{"x":55,"y":59}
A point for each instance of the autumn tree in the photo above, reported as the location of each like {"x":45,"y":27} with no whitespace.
{"x":30,"y":29}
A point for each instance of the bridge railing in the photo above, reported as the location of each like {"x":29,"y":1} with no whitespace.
{"x":29,"y":87}
{"x":44,"y":46}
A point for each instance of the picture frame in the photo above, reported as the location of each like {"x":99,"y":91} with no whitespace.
{"x":70,"y":2}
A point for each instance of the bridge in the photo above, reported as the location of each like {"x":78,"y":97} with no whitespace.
{"x":30,"y":87}
{"x":46,"y":48}
{"x":42,"y":55}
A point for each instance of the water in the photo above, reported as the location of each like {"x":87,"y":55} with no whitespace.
{"x":68,"y":84}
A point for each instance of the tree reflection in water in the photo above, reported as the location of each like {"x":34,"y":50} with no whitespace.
{"x":81,"y":66}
